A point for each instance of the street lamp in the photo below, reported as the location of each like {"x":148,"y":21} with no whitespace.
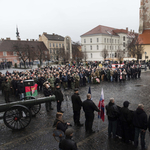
{"x":145,"y":56}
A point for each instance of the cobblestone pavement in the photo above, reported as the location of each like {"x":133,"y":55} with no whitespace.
{"x":38,"y":135}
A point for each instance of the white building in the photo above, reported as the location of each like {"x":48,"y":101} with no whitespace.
{"x":102,"y":37}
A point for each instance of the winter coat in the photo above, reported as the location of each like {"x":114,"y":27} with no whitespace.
{"x":76,"y":101}
{"x":140,"y":119}
{"x":68,"y":144}
{"x":112,"y":111}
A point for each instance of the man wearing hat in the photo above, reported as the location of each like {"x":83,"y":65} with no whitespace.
{"x":77,"y":104}
{"x":59,"y":97}
{"x":68,"y":143}
{"x":126,"y":120}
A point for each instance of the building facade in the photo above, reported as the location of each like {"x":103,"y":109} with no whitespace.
{"x":9,"y":54}
{"x":55,"y":44}
{"x":101,"y":37}
{"x":144,"y":28}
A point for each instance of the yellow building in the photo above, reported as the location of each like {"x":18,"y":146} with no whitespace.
{"x":54,"y":43}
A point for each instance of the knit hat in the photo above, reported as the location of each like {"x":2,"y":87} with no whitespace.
{"x":69,"y":131}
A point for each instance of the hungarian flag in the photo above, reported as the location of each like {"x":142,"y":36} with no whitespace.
{"x":101,"y":106}
{"x":31,"y":90}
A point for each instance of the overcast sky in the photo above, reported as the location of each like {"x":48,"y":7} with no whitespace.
{"x":65,"y":17}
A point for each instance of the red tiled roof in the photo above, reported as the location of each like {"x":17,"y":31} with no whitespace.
{"x":145,"y":37}
{"x":107,"y":30}
{"x":8,"y":45}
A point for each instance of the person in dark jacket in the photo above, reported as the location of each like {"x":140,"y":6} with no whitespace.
{"x":126,"y":120}
{"x":89,"y":107}
{"x":113,"y":114}
{"x":59,"y":97}
{"x":47,"y":92}
{"x":6,"y":90}
{"x":59,"y":123}
{"x":68,"y":143}
{"x":140,"y":123}
{"x":77,"y":104}
{"x":21,"y":89}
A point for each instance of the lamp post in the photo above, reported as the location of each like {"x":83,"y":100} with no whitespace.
{"x":145,"y":56}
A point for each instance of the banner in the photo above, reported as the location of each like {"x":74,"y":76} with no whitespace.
{"x":31,"y":90}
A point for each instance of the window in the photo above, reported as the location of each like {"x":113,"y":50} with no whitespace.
{"x":124,"y":38}
{"x":84,"y":40}
{"x":105,"y":40}
{"x":97,"y":39}
{"x":90,"y":40}
{"x":50,"y":51}
{"x":85,"y":48}
{"x":110,"y":47}
{"x":124,"y":51}
{"x":97,"y":47}
{"x":124,"y":44}
{"x":15,"y":53}
{"x":49,"y":44}
{"x":53,"y":51}
{"x":115,"y":54}
{"x":115,"y":40}
{"x":56,"y":45}
{"x":118,"y":41}
{"x":4,"y":53}
{"x":91,"y":55}
{"x":110,"y":40}
{"x":45,"y":52}
{"x":91,"y":47}
{"x":107,"y":47}
{"x":118,"y":47}
{"x":62,"y":45}
{"x":110,"y":55}
{"x":53,"y":44}
{"x":59,"y":45}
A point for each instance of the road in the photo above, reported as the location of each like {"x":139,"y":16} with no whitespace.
{"x":38,"y":135}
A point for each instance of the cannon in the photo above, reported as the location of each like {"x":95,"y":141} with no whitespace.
{"x":17,"y":115}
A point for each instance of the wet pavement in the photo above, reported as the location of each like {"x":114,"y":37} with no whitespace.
{"x":38,"y":135}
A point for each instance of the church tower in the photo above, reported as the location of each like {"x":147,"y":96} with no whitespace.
{"x":144,"y":16}
{"x":17,"y":33}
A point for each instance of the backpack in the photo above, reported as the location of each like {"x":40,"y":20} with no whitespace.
{"x":58,"y":134}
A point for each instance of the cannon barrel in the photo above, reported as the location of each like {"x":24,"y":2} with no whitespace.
{"x":30,"y":102}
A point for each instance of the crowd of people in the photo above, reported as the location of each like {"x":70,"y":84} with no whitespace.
{"x":68,"y":77}
{"x":51,"y":80}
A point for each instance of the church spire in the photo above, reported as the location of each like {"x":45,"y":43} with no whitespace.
{"x":17,"y":33}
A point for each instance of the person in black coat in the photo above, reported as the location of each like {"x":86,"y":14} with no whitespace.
{"x":89,"y":107}
{"x":113,"y":114}
{"x":126,"y":120}
{"x":77,"y":104}
{"x":140,"y":123}
{"x":41,"y":81}
{"x":21,"y":90}
{"x":68,"y":143}
{"x":47,"y":92}
{"x":59,"y":123}
{"x":59,"y":97}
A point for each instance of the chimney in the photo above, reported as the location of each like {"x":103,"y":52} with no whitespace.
{"x":127,"y":29}
{"x":27,"y":39}
{"x":32,"y":39}
{"x":39,"y":35}
{"x":44,"y":33}
{"x":53,"y":33}
{"x":133,"y":31}
{"x":7,"y":38}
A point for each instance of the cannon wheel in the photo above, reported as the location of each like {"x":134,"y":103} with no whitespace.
{"x":34,"y":108}
{"x":17,"y":117}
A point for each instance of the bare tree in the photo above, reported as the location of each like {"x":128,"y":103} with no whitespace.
{"x":120,"y":55}
{"x":21,"y":51}
{"x":85,"y":55}
{"x":41,"y":52}
{"x":104,"y":53}
{"x":135,"y":47}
